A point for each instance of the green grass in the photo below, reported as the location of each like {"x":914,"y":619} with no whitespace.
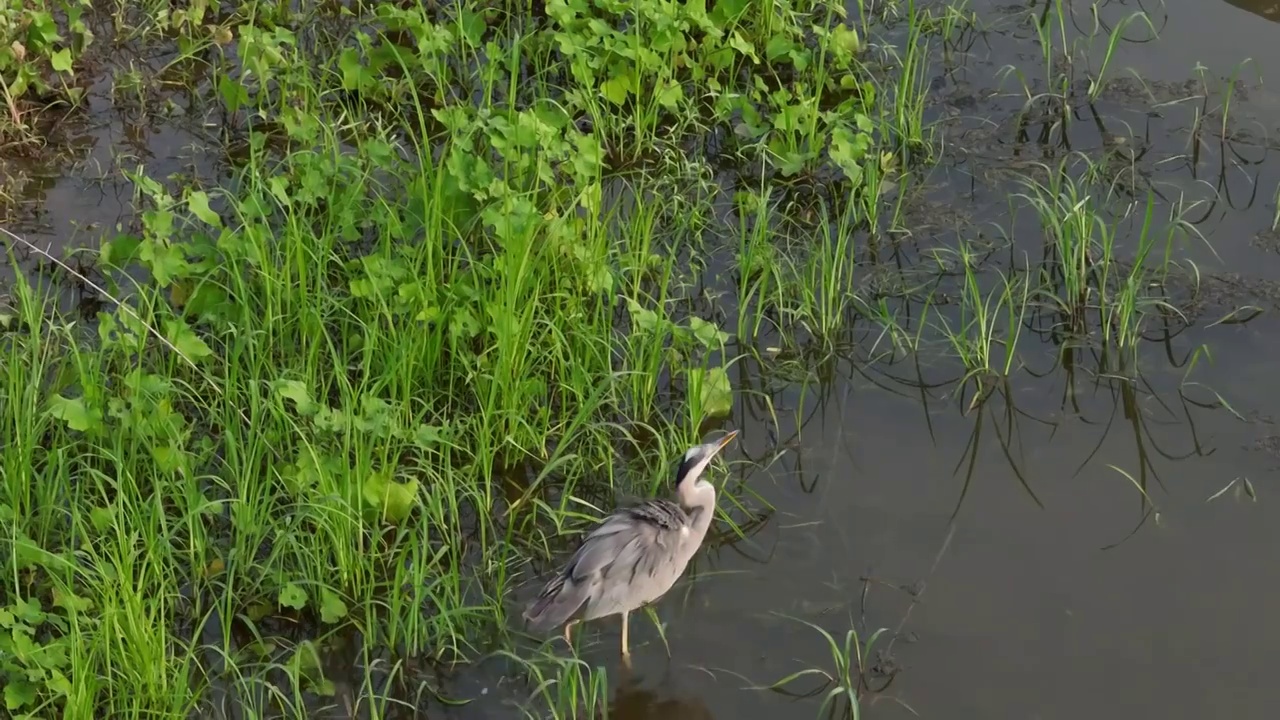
{"x":454,"y":297}
{"x":1103,"y":275}
{"x":845,"y":680}
{"x":414,"y":343}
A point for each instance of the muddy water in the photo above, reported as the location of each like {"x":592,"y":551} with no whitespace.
{"x":73,"y":191}
{"x":1080,"y":601}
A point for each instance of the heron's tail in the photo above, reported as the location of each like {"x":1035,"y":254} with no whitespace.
{"x":557,"y":602}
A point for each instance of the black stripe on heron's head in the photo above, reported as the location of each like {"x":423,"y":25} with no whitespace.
{"x":686,"y":465}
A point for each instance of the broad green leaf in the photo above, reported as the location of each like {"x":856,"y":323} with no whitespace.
{"x":19,"y":86}
{"x":354,"y":74}
{"x":165,"y":262}
{"x":669,"y":94}
{"x":615,"y":90}
{"x":472,"y":26}
{"x":296,"y":391}
{"x":102,"y":517}
{"x":120,"y":250}
{"x":848,"y":149}
{"x":393,"y":500}
{"x":778,"y":46}
{"x":186,"y":340}
{"x":589,"y":158}
{"x":71,"y":601}
{"x":61,"y":60}
{"x":643,"y":318}
{"x":305,"y":665}
{"x":332,"y":608}
{"x":75,"y":413}
{"x":707,"y":333}
{"x":42,"y":28}
{"x":29,"y":611}
{"x":426,"y":436}
{"x":714,"y":390}
{"x":58,"y":682}
{"x":169,"y":457}
{"x":18,"y":693}
{"x":198,"y":203}
{"x":324,"y":687}
{"x":742,"y":45}
{"x":306,"y":659}
{"x":846,"y":39}
{"x":727,"y":12}
{"x":234,"y":95}
{"x":292,"y":596}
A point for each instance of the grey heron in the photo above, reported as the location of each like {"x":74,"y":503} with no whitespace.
{"x":635,"y":555}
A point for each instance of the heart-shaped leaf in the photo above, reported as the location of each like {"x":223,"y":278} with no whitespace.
{"x":715,"y":392}
{"x":332,"y":608}
{"x":75,"y":413}
{"x":292,"y":596}
{"x":18,"y":693}
{"x":392,"y":500}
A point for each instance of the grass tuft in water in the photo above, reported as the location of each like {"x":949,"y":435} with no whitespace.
{"x":842,"y":683}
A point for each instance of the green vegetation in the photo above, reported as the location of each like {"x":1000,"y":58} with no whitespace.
{"x":40,"y":41}
{"x":358,"y":386}
{"x":850,"y":675}
{"x":470,"y":274}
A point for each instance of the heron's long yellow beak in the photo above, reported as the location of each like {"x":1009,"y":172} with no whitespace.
{"x":726,"y":439}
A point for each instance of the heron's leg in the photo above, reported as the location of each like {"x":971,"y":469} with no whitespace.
{"x":568,"y":625}
{"x":626,"y":647}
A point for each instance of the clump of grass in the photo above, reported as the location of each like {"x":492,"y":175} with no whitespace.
{"x":1085,"y":282}
{"x":1066,"y":43}
{"x":1100,"y":281}
{"x":985,"y":337}
{"x":849,"y":675}
{"x":565,"y":687}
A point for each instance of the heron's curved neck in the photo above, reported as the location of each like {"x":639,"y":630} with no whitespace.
{"x":699,"y":498}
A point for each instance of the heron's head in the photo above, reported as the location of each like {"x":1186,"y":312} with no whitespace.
{"x":698,"y":457}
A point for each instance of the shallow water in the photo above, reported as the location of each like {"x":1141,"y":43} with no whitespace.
{"x":1017,"y":573}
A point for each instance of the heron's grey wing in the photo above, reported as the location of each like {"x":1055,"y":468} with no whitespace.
{"x":574,"y":585}
{"x":628,"y":545}
{"x":622,"y":539}
{"x":656,"y":526}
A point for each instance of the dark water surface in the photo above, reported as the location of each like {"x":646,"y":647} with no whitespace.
{"x":1085,"y":604}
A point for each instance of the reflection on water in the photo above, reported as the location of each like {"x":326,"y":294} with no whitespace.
{"x":662,"y":700}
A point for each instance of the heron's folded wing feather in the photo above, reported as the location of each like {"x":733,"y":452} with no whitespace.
{"x":624,"y":537}
{"x":662,"y":514}
{"x":574,"y":584}
{"x":600,"y":548}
